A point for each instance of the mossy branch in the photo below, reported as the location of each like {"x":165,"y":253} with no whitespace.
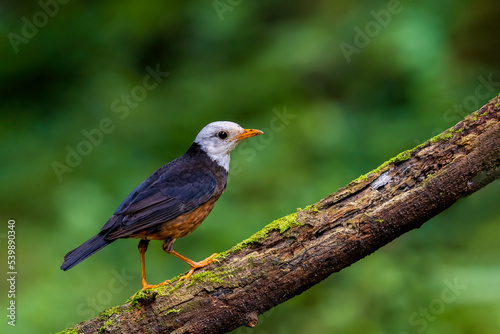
{"x":295,"y":252}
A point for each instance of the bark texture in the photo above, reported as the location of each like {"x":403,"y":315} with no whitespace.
{"x":300,"y":250}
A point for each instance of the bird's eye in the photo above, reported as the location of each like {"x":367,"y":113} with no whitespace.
{"x":222,"y":135}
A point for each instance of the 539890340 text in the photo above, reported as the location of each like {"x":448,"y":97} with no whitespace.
{"x":11,"y":272}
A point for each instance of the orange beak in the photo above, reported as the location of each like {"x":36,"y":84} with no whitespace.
{"x":247,"y":133}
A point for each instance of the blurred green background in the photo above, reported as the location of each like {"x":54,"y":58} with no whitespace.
{"x":337,"y":86}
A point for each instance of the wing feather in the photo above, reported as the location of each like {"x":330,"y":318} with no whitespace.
{"x":169,"y":192}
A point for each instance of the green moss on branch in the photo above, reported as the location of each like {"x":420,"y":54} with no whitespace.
{"x":281,"y":225}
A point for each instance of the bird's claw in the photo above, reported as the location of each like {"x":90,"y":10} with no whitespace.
{"x":209,"y":260}
{"x":201,"y":264}
{"x":153,"y":286}
{"x":149,"y":286}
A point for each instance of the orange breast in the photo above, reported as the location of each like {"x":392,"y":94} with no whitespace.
{"x":180,"y":226}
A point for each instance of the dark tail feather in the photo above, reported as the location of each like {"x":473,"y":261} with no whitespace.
{"x":82,"y":252}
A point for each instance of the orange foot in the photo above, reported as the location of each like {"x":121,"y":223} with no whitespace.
{"x":150,"y":286}
{"x":146,"y":286}
{"x":196,"y":265}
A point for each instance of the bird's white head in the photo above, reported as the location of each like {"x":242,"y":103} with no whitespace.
{"x":218,"y":139}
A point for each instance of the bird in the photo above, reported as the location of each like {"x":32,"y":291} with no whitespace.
{"x":173,"y":201}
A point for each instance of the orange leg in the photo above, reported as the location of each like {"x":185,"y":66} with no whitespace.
{"x":168,"y":247}
{"x":143,"y":247}
{"x":194,"y":265}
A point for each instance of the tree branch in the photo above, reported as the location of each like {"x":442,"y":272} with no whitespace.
{"x":295,"y":252}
